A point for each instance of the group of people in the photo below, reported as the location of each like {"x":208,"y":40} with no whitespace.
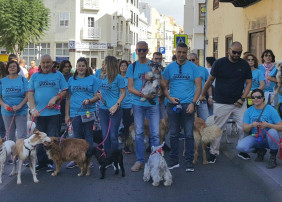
{"x":55,"y":95}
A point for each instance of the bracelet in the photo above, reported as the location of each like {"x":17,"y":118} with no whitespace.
{"x":118,"y":104}
{"x":32,"y":110}
{"x":140,"y":94}
{"x":211,"y":97}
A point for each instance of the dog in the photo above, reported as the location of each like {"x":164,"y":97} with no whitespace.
{"x":157,"y":168}
{"x":153,"y":79}
{"x":71,"y":149}
{"x":6,"y":148}
{"x":203,"y":134}
{"x":26,"y":149}
{"x":278,"y":87}
{"x":106,"y":159}
{"x":163,"y":130}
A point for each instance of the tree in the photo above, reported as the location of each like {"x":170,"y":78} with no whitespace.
{"x":22,"y":22}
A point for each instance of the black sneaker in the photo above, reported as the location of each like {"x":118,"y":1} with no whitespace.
{"x":49,"y":168}
{"x":244,"y":156}
{"x":189,"y":167}
{"x":39,"y":167}
{"x":173,"y":165}
{"x":212,"y":158}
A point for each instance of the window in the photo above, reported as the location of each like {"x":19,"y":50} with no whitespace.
{"x":62,"y":49}
{"x":131,"y":17}
{"x":215,"y":4}
{"x":257,"y":42}
{"x":215,"y":48}
{"x":228,"y":42}
{"x":90,"y":22}
{"x":202,"y":14}
{"x":64,"y":19}
{"x":35,"y":51}
{"x":132,"y":1}
{"x":137,"y":18}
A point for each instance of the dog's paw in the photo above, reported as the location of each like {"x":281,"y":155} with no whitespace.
{"x":166,"y":183}
{"x":54,"y":174}
{"x":79,"y":174}
{"x":155,"y":184}
{"x":146,"y":178}
{"x":19,"y":182}
{"x":36,"y":181}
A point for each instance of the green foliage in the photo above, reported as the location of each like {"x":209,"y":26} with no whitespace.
{"x":22,"y":22}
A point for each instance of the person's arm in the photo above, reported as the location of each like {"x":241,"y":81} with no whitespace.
{"x":31,"y":101}
{"x":5,"y":106}
{"x":114,"y":108}
{"x":23,"y":102}
{"x":165,"y":84}
{"x":247,"y":89}
{"x":277,"y":126}
{"x":57,"y":97}
{"x":272,"y":78}
{"x":206,"y":87}
{"x":191,"y":107}
{"x":261,"y":85}
{"x":131,"y":89}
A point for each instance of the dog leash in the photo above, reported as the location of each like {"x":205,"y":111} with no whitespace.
{"x":8,"y":131}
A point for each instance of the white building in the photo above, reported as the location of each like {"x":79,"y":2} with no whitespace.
{"x":194,"y":26}
{"x":88,"y":28}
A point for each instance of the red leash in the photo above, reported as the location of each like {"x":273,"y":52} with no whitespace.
{"x":102,"y":150}
{"x":8,"y":131}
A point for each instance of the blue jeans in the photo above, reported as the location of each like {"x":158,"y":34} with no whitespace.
{"x":250,"y":143}
{"x":151,"y":113}
{"x":51,"y":126}
{"x":111,"y":142}
{"x":202,"y":110}
{"x":175,"y":120}
{"x":83,"y":130}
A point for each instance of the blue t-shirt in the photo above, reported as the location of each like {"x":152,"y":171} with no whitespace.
{"x":98,"y":73}
{"x":127,"y":101}
{"x":110,"y":92}
{"x":13,"y":92}
{"x":272,"y":84}
{"x":273,"y":74}
{"x":257,"y":76}
{"x":270,"y":115}
{"x":139,"y":81}
{"x":204,"y":74}
{"x":182,"y":86}
{"x":45,"y":87}
{"x":80,"y":90}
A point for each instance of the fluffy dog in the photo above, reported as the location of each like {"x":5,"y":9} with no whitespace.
{"x":203,"y":134}
{"x":6,"y":148}
{"x":156,"y":168}
{"x":105,"y":159}
{"x":153,"y":79}
{"x":71,"y":149}
{"x":26,"y":149}
{"x":278,"y":86}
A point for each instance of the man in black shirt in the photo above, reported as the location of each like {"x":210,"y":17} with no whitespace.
{"x":231,"y":73}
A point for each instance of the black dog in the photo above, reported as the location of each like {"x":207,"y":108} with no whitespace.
{"x":114,"y":156}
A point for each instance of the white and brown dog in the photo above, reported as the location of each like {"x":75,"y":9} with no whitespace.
{"x":6,"y":148}
{"x":156,"y":167}
{"x":26,"y":149}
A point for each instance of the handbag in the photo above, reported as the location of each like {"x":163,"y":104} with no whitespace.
{"x":90,"y":117}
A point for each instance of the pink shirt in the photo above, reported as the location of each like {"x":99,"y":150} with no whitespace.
{"x":32,"y":71}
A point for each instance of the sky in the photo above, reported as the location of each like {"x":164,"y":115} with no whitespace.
{"x":172,"y":8}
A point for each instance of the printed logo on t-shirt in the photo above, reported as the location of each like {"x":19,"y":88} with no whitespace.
{"x":181,"y":76}
{"x":13,"y":89}
{"x":106,"y":86}
{"x":79,"y":88}
{"x":47,"y":83}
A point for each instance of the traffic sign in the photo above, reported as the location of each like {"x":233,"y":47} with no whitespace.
{"x":180,"y":38}
{"x":162,"y":50}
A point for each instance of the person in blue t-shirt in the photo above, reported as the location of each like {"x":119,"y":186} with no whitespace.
{"x":141,"y":109}
{"x":268,"y":59}
{"x":258,"y":79}
{"x":182,"y":79}
{"x":80,"y":103}
{"x":13,"y":99}
{"x":126,"y":106}
{"x":202,"y":107}
{"x":111,"y":94}
{"x":46,"y":87}
{"x":261,"y":117}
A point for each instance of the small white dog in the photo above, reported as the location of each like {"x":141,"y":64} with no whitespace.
{"x":156,"y":168}
{"x":153,"y":79}
{"x":6,"y":148}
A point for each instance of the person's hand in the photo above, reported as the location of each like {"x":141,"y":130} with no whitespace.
{"x":239,"y":103}
{"x":8,"y":108}
{"x":190,"y":109}
{"x":113,"y":109}
{"x":149,"y":96}
{"x":16,"y":108}
{"x":210,"y":101}
{"x":99,"y":94}
{"x":52,"y":102}
{"x":86,"y":102}
{"x":202,"y":98}
{"x":35,"y":113}
{"x":264,"y":125}
{"x":255,"y":124}
{"x":174,"y":100}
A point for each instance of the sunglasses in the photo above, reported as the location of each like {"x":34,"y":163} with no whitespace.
{"x":192,"y":60}
{"x":258,"y":97}
{"x":143,"y":50}
{"x":236,"y":52}
{"x":251,"y":59}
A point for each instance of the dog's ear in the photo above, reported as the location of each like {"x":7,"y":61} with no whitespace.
{"x":55,"y":140}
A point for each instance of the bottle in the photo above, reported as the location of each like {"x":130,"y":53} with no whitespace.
{"x":87,"y":114}
{"x":70,"y":130}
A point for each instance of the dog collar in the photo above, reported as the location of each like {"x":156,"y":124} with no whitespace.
{"x":29,"y":150}
{"x":159,"y":151}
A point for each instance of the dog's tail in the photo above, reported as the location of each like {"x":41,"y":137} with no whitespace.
{"x":210,"y":133}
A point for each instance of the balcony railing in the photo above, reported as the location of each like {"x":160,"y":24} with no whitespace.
{"x":90,"y":5}
{"x":91,"y":33}
{"x":240,"y":3}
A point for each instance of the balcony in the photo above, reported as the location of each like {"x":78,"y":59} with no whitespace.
{"x":129,"y":38}
{"x":119,"y":36}
{"x":240,"y":3}
{"x":91,"y":33}
{"x":90,"y":5}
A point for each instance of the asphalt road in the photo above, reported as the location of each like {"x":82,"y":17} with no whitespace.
{"x":222,"y":181}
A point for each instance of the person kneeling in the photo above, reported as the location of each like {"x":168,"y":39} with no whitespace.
{"x":258,"y":119}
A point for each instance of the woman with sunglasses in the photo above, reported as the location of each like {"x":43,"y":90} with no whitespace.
{"x":13,"y":99}
{"x":111,"y":94}
{"x":80,"y":101}
{"x":262,"y":117}
{"x":268,"y":59}
{"x":258,"y":79}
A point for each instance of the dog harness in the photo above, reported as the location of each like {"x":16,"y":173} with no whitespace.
{"x":29,"y":150}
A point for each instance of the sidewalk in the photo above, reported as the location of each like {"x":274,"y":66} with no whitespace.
{"x":271,"y":178}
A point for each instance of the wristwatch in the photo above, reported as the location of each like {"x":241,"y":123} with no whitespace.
{"x":194,"y":103}
{"x":243,"y":99}
{"x":211,"y":97}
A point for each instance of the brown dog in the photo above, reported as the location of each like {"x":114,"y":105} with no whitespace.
{"x":71,"y":149}
{"x":203,"y":134}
